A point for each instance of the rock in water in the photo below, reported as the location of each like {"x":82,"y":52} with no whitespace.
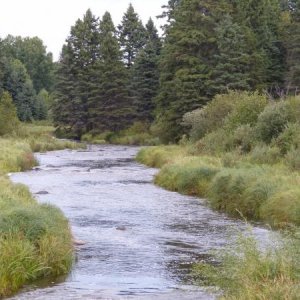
{"x":78,"y":243}
{"x":42,"y":193}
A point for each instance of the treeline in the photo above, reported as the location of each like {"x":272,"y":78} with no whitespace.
{"x":27,"y":74}
{"x":109,"y":78}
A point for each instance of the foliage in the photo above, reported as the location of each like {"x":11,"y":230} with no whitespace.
{"x":9,"y":120}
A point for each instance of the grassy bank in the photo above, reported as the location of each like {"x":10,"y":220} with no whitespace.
{"x":35,"y":239}
{"x":246,"y":271}
{"x":269,"y":193}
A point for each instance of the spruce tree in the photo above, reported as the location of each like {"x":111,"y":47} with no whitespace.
{"x":145,"y":75}
{"x":232,"y":70}
{"x":110,"y":105}
{"x":75,"y":74}
{"x":131,"y":34}
{"x":292,"y":44}
{"x":186,"y":64}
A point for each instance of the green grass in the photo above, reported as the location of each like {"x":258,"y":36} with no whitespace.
{"x":35,"y":239}
{"x":269,"y":193}
{"x":245,"y":271}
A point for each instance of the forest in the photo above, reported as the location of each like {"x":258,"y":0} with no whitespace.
{"x":214,"y":92}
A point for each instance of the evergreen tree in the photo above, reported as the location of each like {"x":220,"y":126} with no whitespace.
{"x":110,"y":107}
{"x":232,"y":70}
{"x":292,"y":45}
{"x":18,"y":83}
{"x":75,"y":75}
{"x":131,"y":34}
{"x":186,"y":64}
{"x":42,"y":100}
{"x":262,"y":18}
{"x":145,"y":75}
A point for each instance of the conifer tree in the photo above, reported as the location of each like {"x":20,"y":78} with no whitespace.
{"x":145,"y":75}
{"x":75,"y":73}
{"x":110,"y":105}
{"x":18,"y":83}
{"x":292,"y":45}
{"x":232,"y":70}
{"x":131,"y":34}
{"x":186,"y":64}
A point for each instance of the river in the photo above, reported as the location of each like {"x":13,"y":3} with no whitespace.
{"x":140,"y":240}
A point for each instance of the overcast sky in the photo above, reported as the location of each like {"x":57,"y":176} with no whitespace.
{"x":51,"y":20}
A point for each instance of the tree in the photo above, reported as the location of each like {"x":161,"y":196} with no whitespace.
{"x":8,"y":115}
{"x":110,"y":105}
{"x":131,"y":34}
{"x":262,"y":18}
{"x":75,"y":75}
{"x":18,"y":83}
{"x":32,"y":53}
{"x":145,"y":75}
{"x":42,"y":105}
{"x":186,"y":64}
{"x":232,"y":70}
{"x":291,"y":37}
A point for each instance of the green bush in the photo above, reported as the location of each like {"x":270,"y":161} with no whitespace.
{"x":246,"y":110}
{"x":216,"y":142}
{"x":292,"y":159}
{"x":212,"y":116}
{"x":289,"y":138}
{"x":272,"y":121}
{"x":244,"y":138}
{"x":264,"y":154}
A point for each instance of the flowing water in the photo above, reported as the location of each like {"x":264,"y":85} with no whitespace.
{"x":140,"y":240}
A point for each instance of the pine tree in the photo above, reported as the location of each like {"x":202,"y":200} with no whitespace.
{"x":110,"y":106}
{"x":145,"y":75}
{"x":186,"y":64}
{"x":131,"y":34}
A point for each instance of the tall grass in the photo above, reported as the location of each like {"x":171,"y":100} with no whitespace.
{"x":258,"y":192}
{"x":35,"y":239}
{"x":248,"y":271}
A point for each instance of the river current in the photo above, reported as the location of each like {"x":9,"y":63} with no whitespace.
{"x":140,"y":240}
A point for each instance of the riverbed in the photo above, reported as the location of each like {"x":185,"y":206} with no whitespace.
{"x":140,"y":240}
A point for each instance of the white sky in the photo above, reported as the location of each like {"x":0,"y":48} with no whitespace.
{"x":51,"y":20}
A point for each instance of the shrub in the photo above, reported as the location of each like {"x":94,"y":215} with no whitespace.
{"x":246,"y":110}
{"x":212,"y":116}
{"x":264,"y":154}
{"x":289,"y":138}
{"x":272,"y":121}
{"x":244,"y":138}
{"x":292,"y":159}
{"x":216,"y":142}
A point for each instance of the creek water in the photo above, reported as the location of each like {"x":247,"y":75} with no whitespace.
{"x":140,"y":240}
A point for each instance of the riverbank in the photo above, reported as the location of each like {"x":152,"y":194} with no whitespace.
{"x":265,"y":193}
{"x":35,"y":239}
{"x":260,"y":192}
